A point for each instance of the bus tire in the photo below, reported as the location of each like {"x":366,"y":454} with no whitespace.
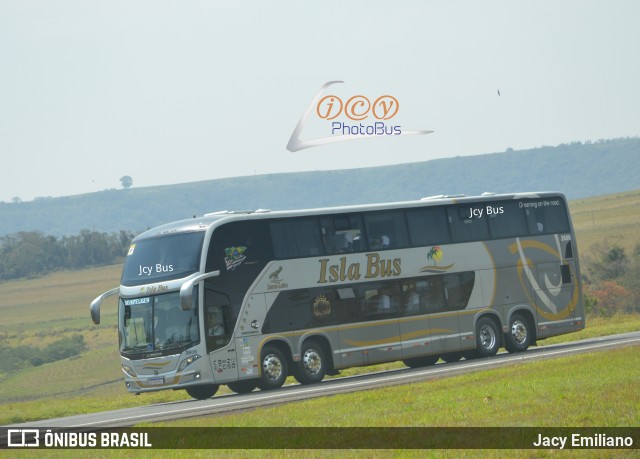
{"x":275,"y":368}
{"x":520,"y":334}
{"x":417,"y":362}
{"x":243,"y":387}
{"x":312,"y":366}
{"x":202,"y":392}
{"x":487,"y":337}
{"x":451,"y":357}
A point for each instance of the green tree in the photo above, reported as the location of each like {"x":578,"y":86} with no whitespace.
{"x":126,"y":182}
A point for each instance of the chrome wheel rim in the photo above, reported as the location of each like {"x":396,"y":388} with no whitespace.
{"x":487,"y":337}
{"x":519,"y":331}
{"x":272,"y":367}
{"x":312,"y":361}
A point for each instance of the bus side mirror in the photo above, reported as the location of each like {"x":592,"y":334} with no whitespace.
{"x":186,"y":291}
{"x":95,"y":304}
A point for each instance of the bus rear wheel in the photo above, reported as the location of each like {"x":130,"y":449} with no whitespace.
{"x":487,"y":337}
{"x":519,"y":336}
{"x":243,"y":387}
{"x":202,"y":392}
{"x":274,"y":368}
{"x":451,"y":357}
{"x":417,"y":362}
{"x":312,"y":366}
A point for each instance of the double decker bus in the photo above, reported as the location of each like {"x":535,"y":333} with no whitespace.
{"x":247,"y":299}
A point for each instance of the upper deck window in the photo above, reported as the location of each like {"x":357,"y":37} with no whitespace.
{"x":342,"y":234}
{"x":296,"y":238}
{"x":545,"y":216}
{"x":386,"y":230}
{"x":161,"y":258}
{"x":468,"y":222}
{"x":428,"y":226}
{"x":506,"y":219}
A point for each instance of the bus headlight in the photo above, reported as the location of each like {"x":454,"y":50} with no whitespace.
{"x":128,"y":370}
{"x":188,"y":361}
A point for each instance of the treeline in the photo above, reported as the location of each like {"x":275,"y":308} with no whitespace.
{"x":605,"y":167}
{"x":31,"y":253}
{"x":612,"y":280}
{"x":15,"y":358}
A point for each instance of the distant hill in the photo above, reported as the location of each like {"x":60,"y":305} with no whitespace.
{"x":577,"y":169}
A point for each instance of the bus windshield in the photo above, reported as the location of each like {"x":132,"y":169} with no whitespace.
{"x":156,"y":324}
{"x":162,"y":258}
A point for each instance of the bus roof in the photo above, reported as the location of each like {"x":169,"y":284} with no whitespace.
{"x":204,"y":222}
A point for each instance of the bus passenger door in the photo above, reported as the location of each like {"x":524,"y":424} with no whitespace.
{"x":218,"y":329}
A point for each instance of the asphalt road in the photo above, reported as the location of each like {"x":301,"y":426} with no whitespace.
{"x":233,"y":402}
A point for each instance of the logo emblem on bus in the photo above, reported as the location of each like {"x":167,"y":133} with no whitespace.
{"x":274,"y":280}
{"x":234,"y":257}
{"x":435,"y":254}
{"x":274,"y":275}
{"x":321,"y":306}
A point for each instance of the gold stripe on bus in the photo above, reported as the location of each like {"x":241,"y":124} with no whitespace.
{"x":397,"y":339}
{"x":425,"y":333}
{"x":513,"y":248}
{"x":436,"y":269}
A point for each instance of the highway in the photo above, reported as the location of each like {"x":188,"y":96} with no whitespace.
{"x":291,"y":393}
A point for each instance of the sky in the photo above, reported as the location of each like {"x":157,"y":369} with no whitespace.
{"x":172,"y":92}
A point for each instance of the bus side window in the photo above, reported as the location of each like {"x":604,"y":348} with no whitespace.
{"x":296,"y":238}
{"x":547,"y":217}
{"x":347,"y":306}
{"x":428,"y":226}
{"x":342,"y":234}
{"x":468,"y":223}
{"x":432,"y":294}
{"x":386,"y":230}
{"x":506,"y":219}
{"x":458,"y":288}
{"x":411,"y":298}
{"x":379,"y":301}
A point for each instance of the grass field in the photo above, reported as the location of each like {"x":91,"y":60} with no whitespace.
{"x":602,"y":391}
{"x":38,"y":311}
{"x":614,"y":217}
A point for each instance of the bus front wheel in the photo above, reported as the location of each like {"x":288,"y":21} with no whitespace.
{"x":274,"y":368}
{"x":312,"y":366}
{"x":487,"y":337}
{"x":244,"y":386}
{"x":202,"y":392}
{"x":518,"y":338}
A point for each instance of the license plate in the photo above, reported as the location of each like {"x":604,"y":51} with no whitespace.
{"x":156,"y":381}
